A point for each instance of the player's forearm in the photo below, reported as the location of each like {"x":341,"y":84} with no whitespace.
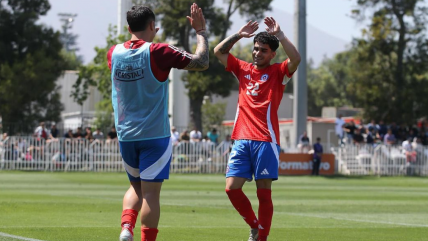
{"x":200,"y":60}
{"x":289,"y":49}
{"x":226,"y":45}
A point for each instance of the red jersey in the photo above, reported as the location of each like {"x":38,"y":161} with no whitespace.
{"x":260,"y":93}
{"x":163,"y":57}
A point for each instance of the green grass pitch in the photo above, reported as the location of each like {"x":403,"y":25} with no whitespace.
{"x":87,"y":206}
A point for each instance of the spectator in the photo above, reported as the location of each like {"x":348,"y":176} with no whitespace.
{"x":208,"y":147}
{"x":69,"y":134}
{"x":358,"y":138}
{"x":112,"y":135}
{"x":304,"y":142}
{"x":88,"y":134}
{"x":423,"y":137}
{"x":41,"y":131}
{"x":175,"y":136}
{"x":213,"y":136}
{"x":371,"y":135}
{"x":350,"y":131}
{"x":375,"y":127}
{"x":78,"y":134}
{"x":383,"y":129}
{"x":195,"y":135}
{"x":98,"y":135}
{"x":389,"y":138}
{"x":225,"y":146}
{"x":318,"y":151}
{"x":54,"y":132}
{"x":340,"y":123}
{"x":184,"y":136}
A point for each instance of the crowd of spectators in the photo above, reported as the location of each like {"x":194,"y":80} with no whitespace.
{"x":379,"y":132}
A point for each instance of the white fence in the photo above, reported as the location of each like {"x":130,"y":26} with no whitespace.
{"x":382,"y":160}
{"x":28,"y":153}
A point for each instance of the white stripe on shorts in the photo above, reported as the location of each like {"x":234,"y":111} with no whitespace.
{"x":275,"y":151}
{"x":152,"y":171}
{"x":135,"y":172}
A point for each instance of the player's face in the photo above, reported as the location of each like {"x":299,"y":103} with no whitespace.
{"x":262,"y":55}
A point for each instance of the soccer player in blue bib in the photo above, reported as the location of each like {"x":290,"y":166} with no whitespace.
{"x":139,"y":74}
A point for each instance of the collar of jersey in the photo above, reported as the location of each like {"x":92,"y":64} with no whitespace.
{"x":136,"y":43}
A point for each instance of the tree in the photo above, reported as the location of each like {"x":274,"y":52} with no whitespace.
{"x":213,"y":114}
{"x":68,"y":40}
{"x":391,"y":59}
{"x":30,"y":63}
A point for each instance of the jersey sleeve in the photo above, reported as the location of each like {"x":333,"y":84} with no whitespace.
{"x":284,"y":69}
{"x":234,"y":65}
{"x":109,"y":54}
{"x":167,"y":56}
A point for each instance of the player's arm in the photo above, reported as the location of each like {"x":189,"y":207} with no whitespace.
{"x":221,"y":51}
{"x":291,"y":51}
{"x":200,"y":60}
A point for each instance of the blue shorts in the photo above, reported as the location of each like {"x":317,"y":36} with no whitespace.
{"x":258,"y":158}
{"x":147,"y":160}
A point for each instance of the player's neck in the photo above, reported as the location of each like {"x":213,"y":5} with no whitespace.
{"x":141,"y":36}
{"x":260,"y":67}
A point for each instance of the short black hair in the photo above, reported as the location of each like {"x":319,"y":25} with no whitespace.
{"x":266,"y":38}
{"x":139,"y":18}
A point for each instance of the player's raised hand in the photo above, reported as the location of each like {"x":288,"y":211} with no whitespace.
{"x":196,"y":18}
{"x":247,"y":31}
{"x":272,"y":26}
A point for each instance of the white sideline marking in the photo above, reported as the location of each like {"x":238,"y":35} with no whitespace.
{"x":356,"y":220}
{"x":18,"y":237}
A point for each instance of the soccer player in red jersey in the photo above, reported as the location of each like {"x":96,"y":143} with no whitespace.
{"x":256,"y":130}
{"x":139,"y":77}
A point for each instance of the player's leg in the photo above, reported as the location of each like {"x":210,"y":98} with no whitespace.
{"x":264,"y":194}
{"x":155,"y":158}
{"x":238,"y":172}
{"x":150,"y":211}
{"x":266,"y":163}
{"x":132,"y":199}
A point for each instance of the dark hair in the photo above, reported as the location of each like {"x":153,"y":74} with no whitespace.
{"x":266,"y":38}
{"x":139,"y":18}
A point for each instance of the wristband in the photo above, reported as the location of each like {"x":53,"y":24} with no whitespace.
{"x":202,"y":29}
{"x":280,"y":35}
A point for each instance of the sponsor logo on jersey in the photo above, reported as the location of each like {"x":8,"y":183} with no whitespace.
{"x":264,"y":77}
{"x":248,"y":77}
{"x":129,"y":70}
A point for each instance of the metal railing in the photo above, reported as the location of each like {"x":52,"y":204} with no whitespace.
{"x":30,"y":153}
{"x":382,"y":159}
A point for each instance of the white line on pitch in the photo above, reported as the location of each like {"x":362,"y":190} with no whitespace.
{"x":17,"y":237}
{"x":356,"y":220}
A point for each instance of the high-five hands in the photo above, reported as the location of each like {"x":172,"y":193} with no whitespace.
{"x":247,"y":31}
{"x":196,"y":18}
{"x":273,"y":27}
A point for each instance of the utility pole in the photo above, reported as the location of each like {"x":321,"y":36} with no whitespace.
{"x":300,"y":103}
{"x":67,"y":39}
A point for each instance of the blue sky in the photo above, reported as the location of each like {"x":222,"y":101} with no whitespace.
{"x":94,"y":16}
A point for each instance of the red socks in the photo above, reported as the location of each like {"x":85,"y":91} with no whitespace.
{"x":265,"y":212}
{"x":243,"y":206}
{"x":129,"y":217}
{"x":149,"y":234}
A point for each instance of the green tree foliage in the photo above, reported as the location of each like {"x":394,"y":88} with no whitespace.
{"x":212,"y":114}
{"x":30,"y":63}
{"x":392,"y":57}
{"x":385,"y":70}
